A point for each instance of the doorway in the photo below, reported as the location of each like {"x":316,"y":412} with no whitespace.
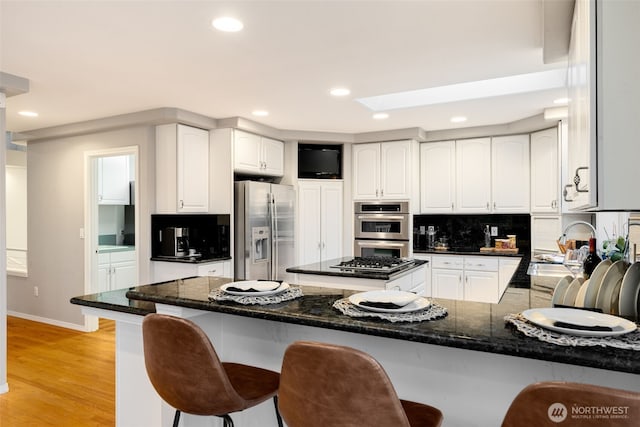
{"x":111,"y":222}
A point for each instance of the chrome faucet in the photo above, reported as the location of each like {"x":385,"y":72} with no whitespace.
{"x":563,"y":238}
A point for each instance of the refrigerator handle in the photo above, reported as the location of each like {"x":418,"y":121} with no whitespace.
{"x":274,"y":233}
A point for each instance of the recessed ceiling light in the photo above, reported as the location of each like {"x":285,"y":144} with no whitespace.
{"x":380,"y":116}
{"x":260,"y":113}
{"x":227,"y":24}
{"x":340,"y":91}
{"x":521,"y":83}
{"x":458,"y":119}
{"x":28,"y":113}
{"x":561,"y":101}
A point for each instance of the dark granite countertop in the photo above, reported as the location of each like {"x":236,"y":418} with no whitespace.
{"x":189,"y":259}
{"x":469,"y":325}
{"x":325,"y":268}
{"x":463,"y":251}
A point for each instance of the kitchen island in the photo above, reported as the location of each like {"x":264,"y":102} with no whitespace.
{"x":470,"y":359}
{"x":328,"y":273}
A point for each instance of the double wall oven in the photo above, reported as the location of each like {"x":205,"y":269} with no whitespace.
{"x":382,"y":229}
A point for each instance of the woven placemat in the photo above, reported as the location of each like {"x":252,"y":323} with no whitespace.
{"x":288,"y":295}
{"x":630,"y":341}
{"x":434,"y":311}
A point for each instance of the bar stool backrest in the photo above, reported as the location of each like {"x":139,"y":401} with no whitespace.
{"x":569,"y":404}
{"x":325,"y":385}
{"x":184,"y":368}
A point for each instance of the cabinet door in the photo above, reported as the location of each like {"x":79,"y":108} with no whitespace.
{"x":113,"y":180}
{"x":473,"y":175}
{"x":366,"y":171}
{"x":272,"y":157}
{"x":545,"y":168}
{"x":427,"y":273}
{"x":309,"y":220}
{"x":545,"y":231}
{"x":447,"y":283}
{"x":123,"y":275}
{"x":437,"y":176}
{"x":510,"y":174}
{"x":247,"y":152}
{"x":193,"y":169}
{"x":331,"y":220}
{"x":395,"y":170}
{"x":481,"y":286}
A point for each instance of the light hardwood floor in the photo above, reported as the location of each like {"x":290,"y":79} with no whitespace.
{"x":58,"y":377}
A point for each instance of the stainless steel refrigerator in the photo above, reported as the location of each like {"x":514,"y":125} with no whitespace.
{"x":264,"y":230}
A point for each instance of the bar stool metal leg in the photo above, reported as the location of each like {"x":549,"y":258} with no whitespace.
{"x":278,"y":417}
{"x":176,"y":418}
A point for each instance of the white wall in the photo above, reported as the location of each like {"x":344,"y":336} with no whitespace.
{"x":56,"y":214}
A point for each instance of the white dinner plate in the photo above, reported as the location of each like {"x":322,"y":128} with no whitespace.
{"x":572,"y":291}
{"x":561,"y":289}
{"x":581,"y":293}
{"x":262,"y":287}
{"x":629,"y":291}
{"x":407,"y":303}
{"x":610,"y":284}
{"x":595,"y":281}
{"x":547,"y":317}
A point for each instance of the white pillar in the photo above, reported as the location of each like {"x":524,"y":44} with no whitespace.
{"x":4,"y":386}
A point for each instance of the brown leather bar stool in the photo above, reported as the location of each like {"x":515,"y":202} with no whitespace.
{"x":569,"y":404}
{"x":324,"y":385}
{"x":185,"y":371}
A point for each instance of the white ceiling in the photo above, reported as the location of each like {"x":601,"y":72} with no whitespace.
{"x":92,"y":59}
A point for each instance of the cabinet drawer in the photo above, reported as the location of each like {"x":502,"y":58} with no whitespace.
{"x":122,"y":256}
{"x":216,"y":269}
{"x":451,"y":261}
{"x":480,"y":263}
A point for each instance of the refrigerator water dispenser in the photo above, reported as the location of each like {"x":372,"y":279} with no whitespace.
{"x":260,"y":244}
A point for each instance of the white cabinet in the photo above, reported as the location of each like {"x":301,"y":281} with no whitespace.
{"x":510,"y":174}
{"x":473,"y":175}
{"x":471,"y":278}
{"x":166,"y":271}
{"x":437,"y":177}
{"x":384,"y":170}
{"x":320,"y":220}
{"x":545,"y":168}
{"x":428,"y":292}
{"x":604,"y":106}
{"x":113,"y":180}
{"x":116,"y":270}
{"x":545,"y":231}
{"x":182,"y":169}
{"x":257,"y":155}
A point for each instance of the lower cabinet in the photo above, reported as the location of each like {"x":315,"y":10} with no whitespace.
{"x":427,"y":273}
{"x":470,"y":278}
{"x":117,"y":270}
{"x":166,"y":271}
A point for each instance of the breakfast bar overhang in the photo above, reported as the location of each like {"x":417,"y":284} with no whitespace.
{"x":469,"y":364}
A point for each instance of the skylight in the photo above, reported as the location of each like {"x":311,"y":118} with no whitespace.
{"x":521,"y":83}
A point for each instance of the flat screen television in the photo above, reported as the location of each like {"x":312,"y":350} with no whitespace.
{"x":320,"y":161}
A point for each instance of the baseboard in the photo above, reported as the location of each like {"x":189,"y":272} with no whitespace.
{"x":4,"y":388}
{"x":48,"y":321}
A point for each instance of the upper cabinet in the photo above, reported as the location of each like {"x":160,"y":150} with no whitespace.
{"x":257,"y":155}
{"x":384,"y":171}
{"x":113,"y":180}
{"x":473,"y":175}
{"x":480,"y":175}
{"x":545,"y":168}
{"x":182,"y":169}
{"x":604,"y":106}
{"x":437,"y":177}
{"x":510,"y":174}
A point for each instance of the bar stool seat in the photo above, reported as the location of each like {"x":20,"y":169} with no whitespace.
{"x":552,"y":403}
{"x":187,"y":374}
{"x":324,"y":385}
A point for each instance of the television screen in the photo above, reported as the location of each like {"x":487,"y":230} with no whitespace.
{"x":319,"y":161}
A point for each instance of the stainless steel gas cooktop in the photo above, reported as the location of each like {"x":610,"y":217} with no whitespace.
{"x":379,"y":264}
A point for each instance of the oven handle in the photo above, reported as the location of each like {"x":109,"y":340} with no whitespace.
{"x":382,"y":217}
{"x":380,"y":244}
